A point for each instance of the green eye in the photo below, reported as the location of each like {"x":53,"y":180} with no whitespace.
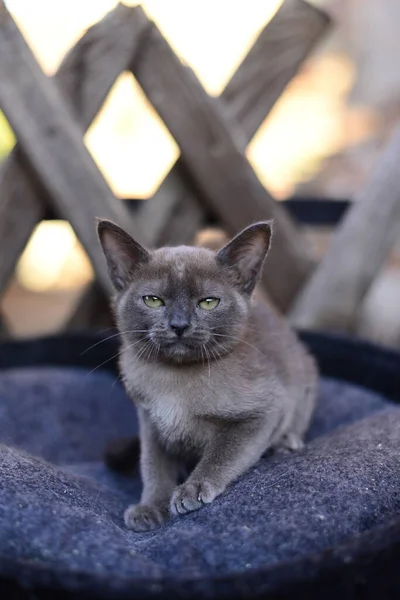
{"x":153,"y":301}
{"x":209,"y":303}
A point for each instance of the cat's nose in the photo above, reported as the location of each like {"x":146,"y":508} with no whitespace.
{"x":179,"y":324}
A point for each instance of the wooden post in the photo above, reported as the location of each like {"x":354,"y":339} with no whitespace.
{"x":272,"y":62}
{"x":52,"y":143}
{"x":85,"y":78}
{"x":336,"y":289}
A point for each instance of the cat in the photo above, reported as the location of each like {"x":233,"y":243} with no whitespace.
{"x":217,"y":377}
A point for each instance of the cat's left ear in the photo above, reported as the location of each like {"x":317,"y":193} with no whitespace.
{"x":246,"y":253}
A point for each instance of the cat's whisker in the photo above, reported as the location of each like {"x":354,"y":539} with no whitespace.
{"x":214,"y":354}
{"x":100,"y":342}
{"x":202,"y":355}
{"x":157,"y":351}
{"x":225,"y":350}
{"x":135,"y":344}
{"x":104,"y":362}
{"x":246,"y":326}
{"x":143,"y":350}
{"x":149,"y":352}
{"x":113,"y":336}
{"x":208,"y":361}
{"x":118,"y":378}
{"x":145,"y":355}
{"x":238,"y":340}
{"x":114,"y":356}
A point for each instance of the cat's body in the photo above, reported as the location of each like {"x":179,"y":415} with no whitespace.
{"x":216,"y":387}
{"x":184,"y":402}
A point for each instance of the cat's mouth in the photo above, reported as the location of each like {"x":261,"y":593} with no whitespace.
{"x":180,"y":344}
{"x":185,"y":348}
{"x":181,"y":348}
{"x":190,"y":342}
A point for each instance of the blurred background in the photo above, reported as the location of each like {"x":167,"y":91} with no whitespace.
{"x":322,"y":138}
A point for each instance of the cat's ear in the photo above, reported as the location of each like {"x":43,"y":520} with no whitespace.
{"x":123,"y":254}
{"x":246,"y":252}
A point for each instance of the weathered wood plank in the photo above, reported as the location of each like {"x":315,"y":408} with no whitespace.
{"x":86,"y":76}
{"x":212,"y":149}
{"x":21,"y":209}
{"x":174,"y":214}
{"x":262,"y":76}
{"x":363,"y":241}
{"x":272,"y":62}
{"x":89,"y":70}
{"x":82,"y":74}
{"x":52,"y":141}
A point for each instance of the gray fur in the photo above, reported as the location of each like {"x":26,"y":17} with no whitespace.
{"x":220,"y":390}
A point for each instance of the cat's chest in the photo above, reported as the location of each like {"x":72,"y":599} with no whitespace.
{"x":176,"y":421}
{"x":173,"y":401}
{"x":170,"y":416}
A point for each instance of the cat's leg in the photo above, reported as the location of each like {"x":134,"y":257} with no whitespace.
{"x":293,"y":438}
{"x":159,"y":476}
{"x":233,"y":451}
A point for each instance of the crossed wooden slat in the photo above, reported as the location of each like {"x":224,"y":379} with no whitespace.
{"x":213,"y":154}
{"x":358,"y":250}
{"x":51,"y":166}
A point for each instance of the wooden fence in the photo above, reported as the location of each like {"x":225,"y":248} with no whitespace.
{"x":50,"y":167}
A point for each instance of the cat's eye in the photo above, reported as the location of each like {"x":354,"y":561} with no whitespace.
{"x":153,"y":301}
{"x":209,"y":303}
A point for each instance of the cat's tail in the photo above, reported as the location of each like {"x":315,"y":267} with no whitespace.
{"x":123,"y":455}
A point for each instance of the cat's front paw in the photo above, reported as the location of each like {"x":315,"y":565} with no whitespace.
{"x":193,"y":495}
{"x":143,"y":517}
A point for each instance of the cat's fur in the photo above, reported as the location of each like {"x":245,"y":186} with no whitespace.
{"x":215,"y":388}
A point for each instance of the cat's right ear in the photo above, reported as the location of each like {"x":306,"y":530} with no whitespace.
{"x":123,"y":253}
{"x":245,"y":254}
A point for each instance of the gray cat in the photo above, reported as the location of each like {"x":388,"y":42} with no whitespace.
{"x":217,"y":376}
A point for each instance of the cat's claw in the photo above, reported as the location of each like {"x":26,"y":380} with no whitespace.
{"x":142,"y":517}
{"x":192,"y":496}
{"x":290,"y":443}
{"x":293,"y":442}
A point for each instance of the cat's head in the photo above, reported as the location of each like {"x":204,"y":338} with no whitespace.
{"x":183,"y":304}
